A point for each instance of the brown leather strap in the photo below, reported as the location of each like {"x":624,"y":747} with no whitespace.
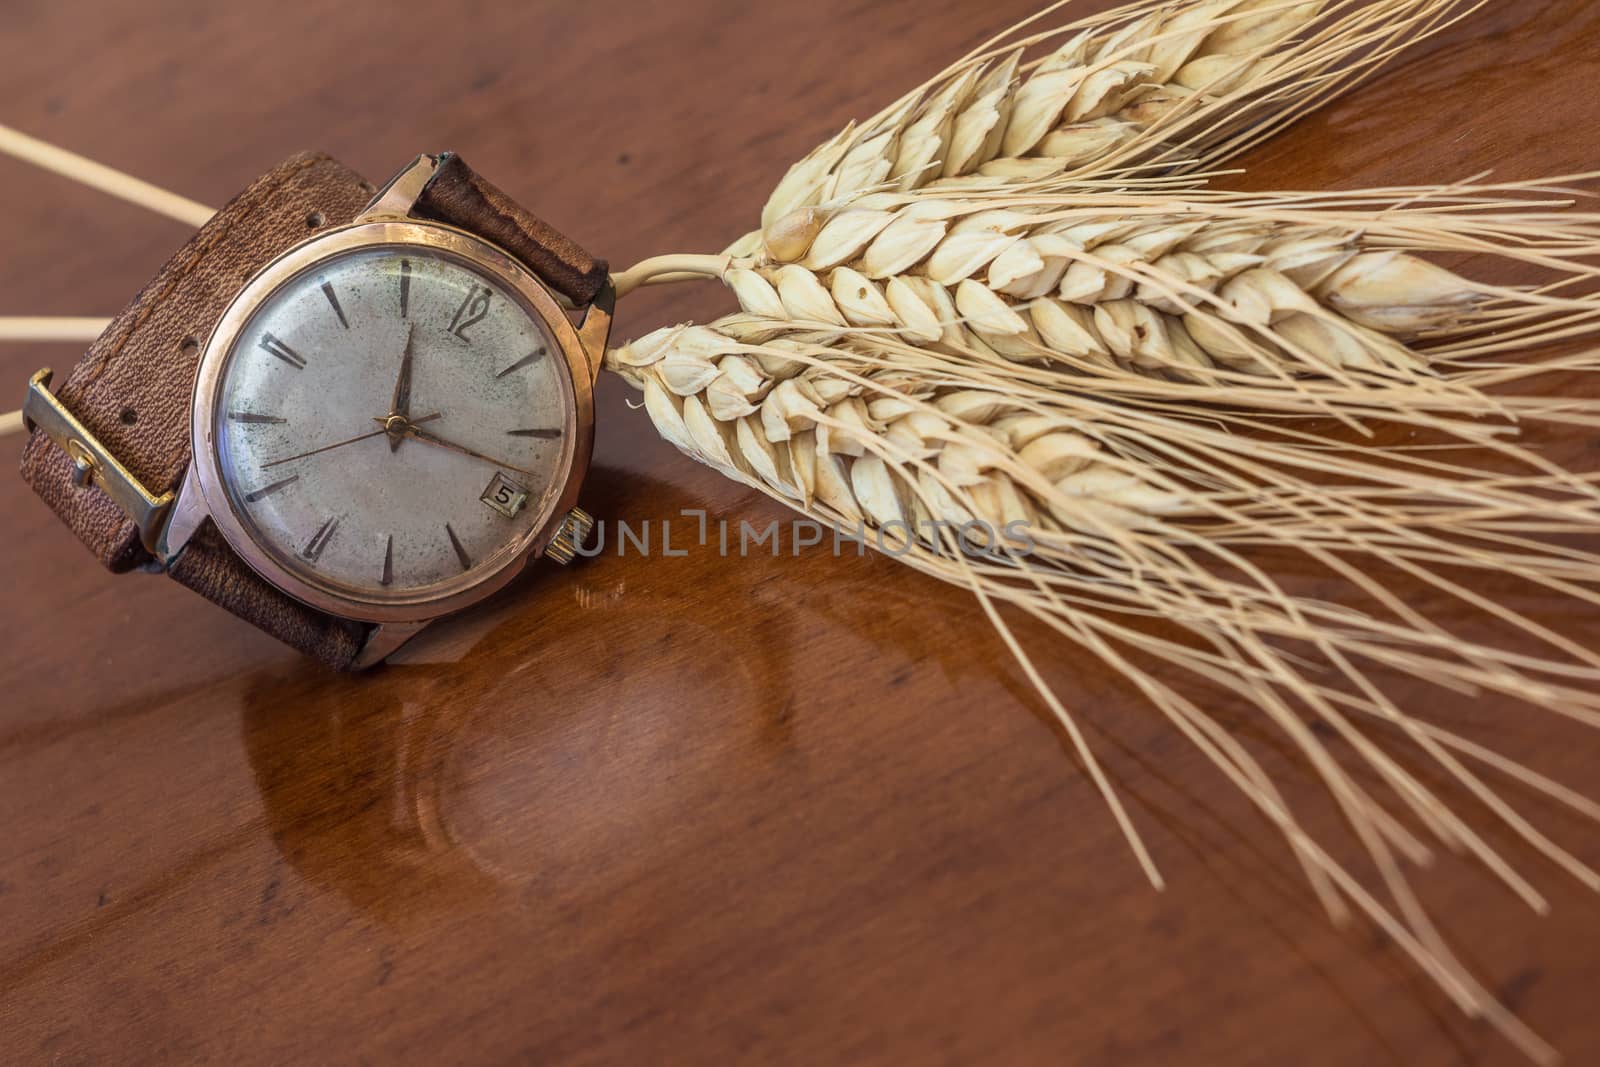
{"x":133,"y":388}
{"x":458,"y":196}
{"x":215,"y":571}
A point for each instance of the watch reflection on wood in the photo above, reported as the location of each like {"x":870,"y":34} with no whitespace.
{"x":338,"y":412}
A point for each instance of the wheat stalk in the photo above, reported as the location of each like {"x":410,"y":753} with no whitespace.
{"x":47,"y":328}
{"x":58,"y":160}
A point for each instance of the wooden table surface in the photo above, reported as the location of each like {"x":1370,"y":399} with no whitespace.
{"x":697,"y":810}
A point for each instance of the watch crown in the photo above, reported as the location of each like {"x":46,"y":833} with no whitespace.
{"x":574,"y":531}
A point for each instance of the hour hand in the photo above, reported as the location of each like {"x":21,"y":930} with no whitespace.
{"x":401,"y":404}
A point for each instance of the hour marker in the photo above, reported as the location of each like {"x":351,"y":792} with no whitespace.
{"x":547,"y":435}
{"x":532,"y":357}
{"x":333,"y":299}
{"x":405,"y":287}
{"x":474,"y":306}
{"x":282,"y":351}
{"x":461,"y":553}
{"x":250,"y":416}
{"x":319,"y":540}
{"x":388,"y":562}
{"x":268,"y":490}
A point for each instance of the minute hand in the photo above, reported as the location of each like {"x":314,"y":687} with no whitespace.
{"x":433,"y":439}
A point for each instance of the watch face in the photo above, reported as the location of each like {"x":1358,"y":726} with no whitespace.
{"x":392,"y":424}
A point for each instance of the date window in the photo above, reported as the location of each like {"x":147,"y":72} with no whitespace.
{"x":504,"y":495}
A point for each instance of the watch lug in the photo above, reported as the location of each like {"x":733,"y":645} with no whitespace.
{"x":596,"y":328}
{"x":386,"y":638}
{"x":187,"y":513}
{"x":396,"y":199}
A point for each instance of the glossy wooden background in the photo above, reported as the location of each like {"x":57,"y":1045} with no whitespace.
{"x":679,"y":810}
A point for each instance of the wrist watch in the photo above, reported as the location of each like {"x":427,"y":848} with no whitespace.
{"x":338,"y":412}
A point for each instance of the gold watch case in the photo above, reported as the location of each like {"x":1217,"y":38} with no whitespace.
{"x":385,"y":223}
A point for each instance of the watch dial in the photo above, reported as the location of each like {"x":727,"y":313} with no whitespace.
{"x":392,"y":424}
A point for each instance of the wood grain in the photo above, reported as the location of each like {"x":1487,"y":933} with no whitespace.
{"x":690,"y":809}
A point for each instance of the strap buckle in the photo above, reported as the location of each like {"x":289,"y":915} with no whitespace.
{"x":92,"y":462}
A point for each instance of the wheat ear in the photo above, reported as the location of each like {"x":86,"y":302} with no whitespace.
{"x":1255,"y":292}
{"x":1179,"y":86}
{"x":1132,"y":508}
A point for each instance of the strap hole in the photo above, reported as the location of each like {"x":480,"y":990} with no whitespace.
{"x":129,"y":416}
{"x":315,"y":220}
{"x":190,"y":346}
